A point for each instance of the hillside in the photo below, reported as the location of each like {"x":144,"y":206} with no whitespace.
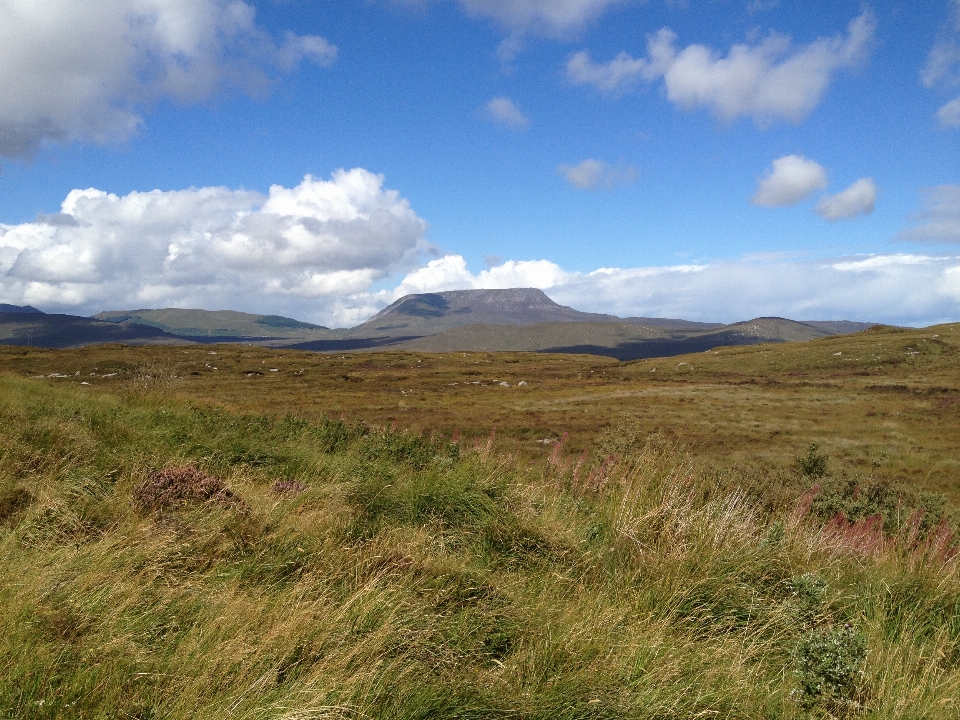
{"x":5,"y":308}
{"x":217,"y":325}
{"x":37,"y":329}
{"x":521,"y":319}
{"x":620,"y":340}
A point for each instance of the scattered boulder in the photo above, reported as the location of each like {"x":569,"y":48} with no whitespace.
{"x":178,"y":486}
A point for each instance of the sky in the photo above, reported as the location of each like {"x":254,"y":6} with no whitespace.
{"x":711,"y":160}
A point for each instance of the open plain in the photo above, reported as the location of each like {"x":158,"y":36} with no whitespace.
{"x":884,"y":402}
{"x":233,"y":531}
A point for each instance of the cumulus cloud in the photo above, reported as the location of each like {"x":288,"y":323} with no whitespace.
{"x":591,"y":174}
{"x":85,"y":70}
{"x":770,"y":80}
{"x":549,"y":17}
{"x":213,"y":247}
{"x":939,"y":217}
{"x":893,"y":288}
{"x":858,"y":199}
{"x":792,"y":179}
{"x":504,"y":111}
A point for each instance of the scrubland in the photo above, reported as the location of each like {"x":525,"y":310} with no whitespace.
{"x":236,"y":545}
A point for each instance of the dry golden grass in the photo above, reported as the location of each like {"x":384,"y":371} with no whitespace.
{"x":883,"y":403}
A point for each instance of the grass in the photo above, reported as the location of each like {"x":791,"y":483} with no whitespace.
{"x":324,"y":568}
{"x":883,"y":404}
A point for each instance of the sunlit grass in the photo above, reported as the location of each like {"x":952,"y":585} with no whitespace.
{"x":416,"y":577}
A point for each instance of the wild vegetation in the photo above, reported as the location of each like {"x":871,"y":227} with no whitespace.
{"x":169,"y":550}
{"x":883,"y":405}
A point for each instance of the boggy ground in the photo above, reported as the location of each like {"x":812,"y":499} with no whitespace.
{"x":883,"y":403}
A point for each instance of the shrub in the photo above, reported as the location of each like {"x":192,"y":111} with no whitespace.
{"x":808,"y":592}
{"x":177,"y":486}
{"x":829,"y":668}
{"x":813,"y":464}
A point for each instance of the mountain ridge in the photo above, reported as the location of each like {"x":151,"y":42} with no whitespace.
{"x":518,"y":319}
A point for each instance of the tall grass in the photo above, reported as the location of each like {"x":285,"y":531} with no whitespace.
{"x":414,"y":578}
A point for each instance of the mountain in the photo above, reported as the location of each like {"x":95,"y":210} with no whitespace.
{"x":620,"y":340}
{"x":518,"y":319}
{"x":218,"y":325}
{"x":839,"y":327}
{"x":4,"y":308}
{"x":37,"y":329}
{"x":428,"y":313}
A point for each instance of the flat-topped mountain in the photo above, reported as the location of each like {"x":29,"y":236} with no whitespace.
{"x":519,"y":319}
{"x":412,"y":314}
{"x":429,"y":313}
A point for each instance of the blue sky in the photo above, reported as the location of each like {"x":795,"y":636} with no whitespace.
{"x":710,"y":160}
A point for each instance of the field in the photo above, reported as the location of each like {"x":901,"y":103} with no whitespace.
{"x":231,"y":531}
{"x":883,"y":403}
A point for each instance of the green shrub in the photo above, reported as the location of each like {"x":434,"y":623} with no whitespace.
{"x":813,"y":464}
{"x":808,"y":592}
{"x":829,"y":668}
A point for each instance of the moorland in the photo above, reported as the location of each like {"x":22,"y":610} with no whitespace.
{"x":760,"y":531}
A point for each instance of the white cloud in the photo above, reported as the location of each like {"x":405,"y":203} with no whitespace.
{"x":858,"y":199}
{"x":894,"y":288}
{"x":767,"y":81}
{"x":302,"y":247}
{"x":939,"y":218}
{"x":85,"y":70}
{"x":504,"y":111}
{"x":618,"y":76}
{"x":549,"y":17}
{"x":591,"y":174}
{"x":949,"y":114}
{"x":792,"y":179}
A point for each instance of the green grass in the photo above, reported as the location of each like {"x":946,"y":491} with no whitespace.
{"x":884,"y":405}
{"x":417,"y":577}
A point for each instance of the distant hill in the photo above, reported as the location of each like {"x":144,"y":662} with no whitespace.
{"x":839,"y":327}
{"x":4,"y":308}
{"x":518,"y":319}
{"x":620,"y":340}
{"x":39,"y":329}
{"x":217,"y":325}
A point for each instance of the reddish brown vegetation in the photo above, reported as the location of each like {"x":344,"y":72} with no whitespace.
{"x":179,"y":485}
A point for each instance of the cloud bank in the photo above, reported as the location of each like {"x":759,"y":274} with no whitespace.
{"x":896,"y":288}
{"x":85,"y":70}
{"x":213,"y":247}
{"x":767,"y":81}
